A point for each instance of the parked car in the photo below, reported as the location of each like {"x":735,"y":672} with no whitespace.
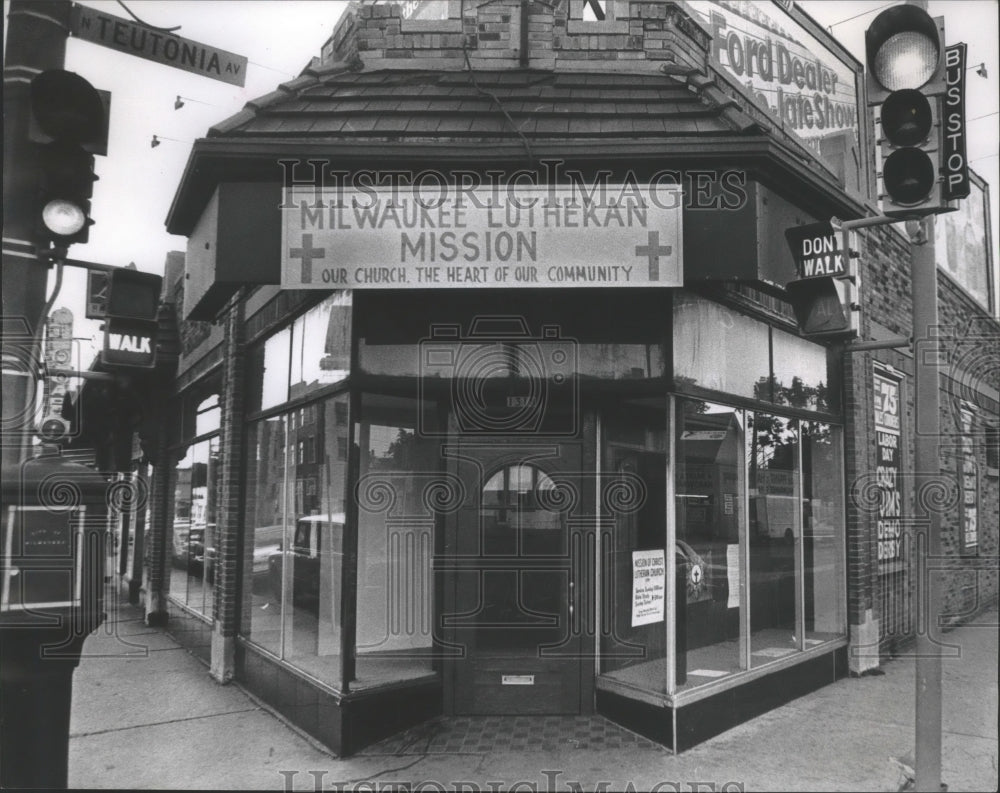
{"x":266,"y":542}
{"x":315,"y":536}
{"x":180,"y":548}
{"x":201,"y":559}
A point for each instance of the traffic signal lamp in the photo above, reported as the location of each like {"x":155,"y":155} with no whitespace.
{"x":827,"y":306}
{"x":131,"y":323}
{"x":906,"y":77}
{"x":133,"y":295}
{"x":68,"y":126}
{"x":53,"y":429}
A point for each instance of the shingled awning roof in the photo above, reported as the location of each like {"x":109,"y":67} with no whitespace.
{"x":341,"y":113}
{"x":417,"y":105}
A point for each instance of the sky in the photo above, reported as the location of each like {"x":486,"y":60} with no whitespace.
{"x":138,"y":182}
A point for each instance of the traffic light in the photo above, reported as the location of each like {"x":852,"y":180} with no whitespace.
{"x":906,"y":78}
{"x":53,"y":429}
{"x":131,"y":321}
{"x":68,"y":126}
{"x":825,"y":305}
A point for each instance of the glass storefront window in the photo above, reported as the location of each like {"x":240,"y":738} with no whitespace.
{"x":193,"y":541}
{"x":395,"y":597}
{"x":269,"y":371}
{"x":709,"y":482}
{"x":604,"y":337}
{"x":296,"y":513}
{"x":719,"y":349}
{"x":800,"y":373}
{"x":265,"y":514}
{"x":321,"y":346}
{"x":775,"y":532}
{"x":823,"y":532}
{"x":759,"y":502}
{"x":208,"y":416}
{"x":314,"y":352}
{"x":633,"y":646}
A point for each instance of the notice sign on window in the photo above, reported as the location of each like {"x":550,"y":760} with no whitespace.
{"x":887,"y":439}
{"x":505,"y":236}
{"x":649,"y":584}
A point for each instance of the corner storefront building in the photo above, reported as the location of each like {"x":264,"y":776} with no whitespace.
{"x":488,"y":400}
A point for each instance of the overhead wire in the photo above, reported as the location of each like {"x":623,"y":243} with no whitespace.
{"x":144,"y":23}
{"x":492,"y":96}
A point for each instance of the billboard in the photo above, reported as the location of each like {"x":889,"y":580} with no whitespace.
{"x":963,"y":245}
{"x":808,"y":87}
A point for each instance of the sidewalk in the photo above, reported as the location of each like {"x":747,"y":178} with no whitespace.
{"x":155,"y":719}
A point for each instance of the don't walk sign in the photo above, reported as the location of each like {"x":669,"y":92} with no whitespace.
{"x":816,"y":250}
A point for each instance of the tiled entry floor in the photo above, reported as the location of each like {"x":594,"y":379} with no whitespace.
{"x":477,"y":734}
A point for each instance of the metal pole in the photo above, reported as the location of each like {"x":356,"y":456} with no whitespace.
{"x":36,"y":41}
{"x":927,"y":466}
{"x":895,"y":343}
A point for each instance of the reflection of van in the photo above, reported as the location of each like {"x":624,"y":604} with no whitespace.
{"x":318,"y":543}
{"x":775,"y":516}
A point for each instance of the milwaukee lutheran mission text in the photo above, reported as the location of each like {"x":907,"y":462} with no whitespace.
{"x":535,"y":237}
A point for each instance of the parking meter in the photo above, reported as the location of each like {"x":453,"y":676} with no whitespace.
{"x":53,"y":529}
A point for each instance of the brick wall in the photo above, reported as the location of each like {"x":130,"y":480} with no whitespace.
{"x":490,"y":35}
{"x":967,"y":335}
{"x":231,"y":451}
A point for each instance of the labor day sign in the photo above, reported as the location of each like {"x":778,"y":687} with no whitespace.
{"x":486,"y":237}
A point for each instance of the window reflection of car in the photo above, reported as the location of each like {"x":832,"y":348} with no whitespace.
{"x":313,"y":535}
{"x":179,"y":541}
{"x":266,"y":542}
{"x":201,"y":559}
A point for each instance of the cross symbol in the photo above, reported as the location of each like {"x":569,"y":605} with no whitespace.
{"x":652,"y":250}
{"x":307,"y":253}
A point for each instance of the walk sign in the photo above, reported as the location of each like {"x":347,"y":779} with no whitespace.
{"x":156,"y":45}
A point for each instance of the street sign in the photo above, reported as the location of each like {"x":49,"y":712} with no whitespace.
{"x":97,"y":294}
{"x":954,"y":163}
{"x":816,"y":250}
{"x":155,"y":45}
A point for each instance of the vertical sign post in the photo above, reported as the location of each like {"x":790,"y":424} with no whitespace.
{"x":927,"y":469}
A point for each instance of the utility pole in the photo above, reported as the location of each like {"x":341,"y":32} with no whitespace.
{"x":36,"y":42}
{"x":927,"y":464}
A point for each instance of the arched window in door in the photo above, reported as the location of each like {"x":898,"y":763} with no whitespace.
{"x":520,"y":505}
{"x":522,"y":495}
